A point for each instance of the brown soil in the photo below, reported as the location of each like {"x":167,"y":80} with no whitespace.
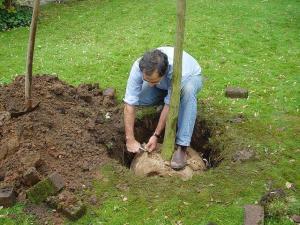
{"x":72,"y":132}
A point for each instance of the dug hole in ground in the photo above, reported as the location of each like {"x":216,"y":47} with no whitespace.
{"x":73,"y":132}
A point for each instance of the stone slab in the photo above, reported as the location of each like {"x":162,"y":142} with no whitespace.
{"x":296,"y":218}
{"x":57,"y":180}
{"x":236,"y":92}
{"x":254,"y":215}
{"x":7,"y":196}
{"x":74,"y":211}
{"x":40,"y":191}
{"x":31,"y":176}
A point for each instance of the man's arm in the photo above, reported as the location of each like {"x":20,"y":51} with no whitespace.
{"x":162,"y":120}
{"x":151,"y":145}
{"x":129,"y":118}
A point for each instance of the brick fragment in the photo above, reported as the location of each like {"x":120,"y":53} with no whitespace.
{"x":57,"y":180}
{"x":45,"y":188}
{"x":236,"y":92}
{"x":74,"y":211}
{"x":254,"y":215}
{"x":296,"y":218}
{"x":40,"y":191}
{"x":7,"y":196}
{"x":31,"y":176}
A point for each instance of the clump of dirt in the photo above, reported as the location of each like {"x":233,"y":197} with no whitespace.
{"x":73,"y":132}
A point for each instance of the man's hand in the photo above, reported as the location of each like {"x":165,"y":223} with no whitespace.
{"x":152,"y":143}
{"x":133,"y":145}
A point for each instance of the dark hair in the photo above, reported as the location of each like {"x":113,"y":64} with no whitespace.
{"x":154,"y":60}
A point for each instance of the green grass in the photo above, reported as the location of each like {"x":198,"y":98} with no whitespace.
{"x":253,"y":44}
{"x":15,"y":215}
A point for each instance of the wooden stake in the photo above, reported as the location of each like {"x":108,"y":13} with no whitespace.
{"x":28,"y":77}
{"x":169,"y":139}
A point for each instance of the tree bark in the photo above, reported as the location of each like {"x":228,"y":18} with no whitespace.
{"x":28,"y":77}
{"x":169,"y":139}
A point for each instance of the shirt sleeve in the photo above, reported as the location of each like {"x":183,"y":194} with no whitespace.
{"x":167,"y":98}
{"x":134,"y":85}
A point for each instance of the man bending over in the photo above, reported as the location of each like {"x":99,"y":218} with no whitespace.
{"x":149,"y":83}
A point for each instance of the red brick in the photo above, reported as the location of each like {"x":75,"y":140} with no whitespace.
{"x":31,"y":176}
{"x":57,"y":180}
{"x":7,"y":196}
{"x":236,"y":92}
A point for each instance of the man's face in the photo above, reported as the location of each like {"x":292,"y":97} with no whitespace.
{"x":152,"y":80}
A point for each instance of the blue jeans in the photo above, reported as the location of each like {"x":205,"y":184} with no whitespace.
{"x":187,"y":108}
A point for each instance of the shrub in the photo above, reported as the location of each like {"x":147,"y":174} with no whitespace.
{"x":13,"y":16}
{"x":20,"y":16}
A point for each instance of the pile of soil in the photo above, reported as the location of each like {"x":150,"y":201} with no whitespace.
{"x":73,"y":132}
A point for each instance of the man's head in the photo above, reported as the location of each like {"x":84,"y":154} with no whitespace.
{"x":154,"y":65}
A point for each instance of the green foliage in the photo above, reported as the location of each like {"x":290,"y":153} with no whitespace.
{"x":15,"y":216}
{"x":14,"y":17}
{"x":276,"y":209}
{"x":6,"y":4}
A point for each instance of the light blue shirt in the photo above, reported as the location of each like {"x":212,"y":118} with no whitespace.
{"x":190,"y":67}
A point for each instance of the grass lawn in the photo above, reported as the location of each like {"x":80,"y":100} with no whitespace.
{"x":253,"y":44}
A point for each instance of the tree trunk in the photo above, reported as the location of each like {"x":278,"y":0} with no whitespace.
{"x":28,"y":77}
{"x":169,"y":139}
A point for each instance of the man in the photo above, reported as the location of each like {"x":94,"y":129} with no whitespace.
{"x":149,"y":83}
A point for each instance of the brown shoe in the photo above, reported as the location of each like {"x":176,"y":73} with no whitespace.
{"x":179,"y":158}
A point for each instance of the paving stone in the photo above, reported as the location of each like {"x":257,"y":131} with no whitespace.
{"x":45,"y":188}
{"x":74,"y":211}
{"x":296,"y":218}
{"x":236,"y":92}
{"x":40,"y":191}
{"x":254,"y":215}
{"x":57,"y":180}
{"x":7,"y":196}
{"x":31,"y":176}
